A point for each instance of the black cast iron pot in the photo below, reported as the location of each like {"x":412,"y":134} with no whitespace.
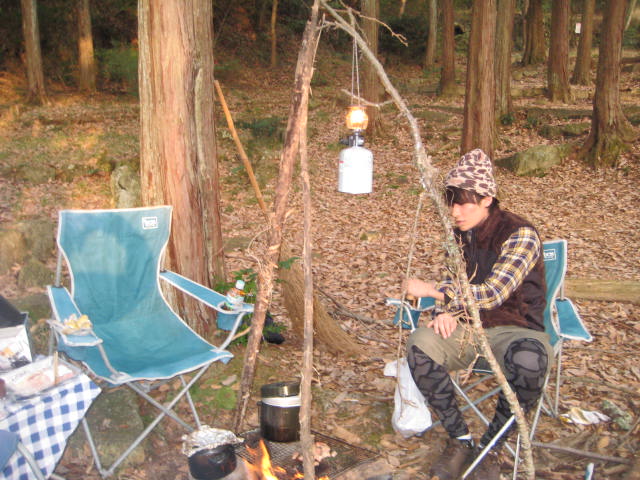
{"x":213,"y":463}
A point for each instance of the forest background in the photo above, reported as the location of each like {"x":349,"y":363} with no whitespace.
{"x":65,"y":154}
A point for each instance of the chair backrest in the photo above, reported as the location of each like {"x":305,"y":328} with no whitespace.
{"x":114,"y":259}
{"x":555,"y":266}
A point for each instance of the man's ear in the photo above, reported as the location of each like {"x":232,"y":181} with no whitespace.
{"x":486,"y":201}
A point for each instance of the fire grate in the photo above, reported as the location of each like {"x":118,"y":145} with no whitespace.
{"x":282,"y":454}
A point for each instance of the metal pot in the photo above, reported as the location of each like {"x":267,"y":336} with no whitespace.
{"x":280,"y":412}
{"x":213,"y":463}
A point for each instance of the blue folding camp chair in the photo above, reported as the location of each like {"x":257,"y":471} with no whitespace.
{"x":562,"y":322}
{"x":114,"y":258}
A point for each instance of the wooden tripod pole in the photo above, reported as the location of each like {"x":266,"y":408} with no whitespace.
{"x":241,"y":152}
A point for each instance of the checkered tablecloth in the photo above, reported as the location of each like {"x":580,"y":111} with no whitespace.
{"x":45,"y":422}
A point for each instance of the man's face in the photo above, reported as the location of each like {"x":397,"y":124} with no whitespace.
{"x":469,"y":215}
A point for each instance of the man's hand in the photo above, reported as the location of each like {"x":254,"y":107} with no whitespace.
{"x":419,"y":288}
{"x":444,"y":324}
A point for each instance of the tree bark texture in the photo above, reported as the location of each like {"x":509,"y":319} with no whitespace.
{"x":582,"y":69}
{"x":535,"y":45}
{"x":290,"y":149}
{"x":86,"y":59}
{"x":558,"y":88}
{"x":306,"y":438}
{"x":178,"y":161}
{"x":371,"y":89}
{"x":478,"y":127}
{"x":33,"y":55}
{"x":448,"y":74}
{"x":504,"y":44}
{"x":274,"y":38}
{"x":432,"y":34}
{"x":610,"y":130}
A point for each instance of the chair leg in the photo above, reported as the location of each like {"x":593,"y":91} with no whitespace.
{"x":165,"y":410}
{"x":30,"y":460}
{"x":516,"y":459}
{"x":196,"y":417}
{"x":536,"y":416}
{"x":489,"y":446}
{"x":92,"y":447}
{"x":556,"y":399}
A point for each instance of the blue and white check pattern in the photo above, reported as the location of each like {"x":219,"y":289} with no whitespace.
{"x":45,"y":422}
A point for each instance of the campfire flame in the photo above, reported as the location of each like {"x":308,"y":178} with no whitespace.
{"x":262,"y":469}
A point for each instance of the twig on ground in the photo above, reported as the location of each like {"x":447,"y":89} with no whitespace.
{"x":344,"y":310}
{"x":603,"y":383}
{"x":582,"y":453}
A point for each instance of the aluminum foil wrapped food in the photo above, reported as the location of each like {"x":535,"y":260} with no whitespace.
{"x":207,"y":437}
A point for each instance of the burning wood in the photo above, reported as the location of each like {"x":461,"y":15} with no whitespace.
{"x":260,"y":467}
{"x":321,"y":451}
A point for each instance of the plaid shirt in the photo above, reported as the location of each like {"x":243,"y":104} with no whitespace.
{"x":518,"y":256}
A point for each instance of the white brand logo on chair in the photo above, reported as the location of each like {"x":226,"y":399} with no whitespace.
{"x":149,"y":222}
{"x":549,"y":254}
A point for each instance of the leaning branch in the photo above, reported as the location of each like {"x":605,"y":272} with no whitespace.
{"x":429,"y":176}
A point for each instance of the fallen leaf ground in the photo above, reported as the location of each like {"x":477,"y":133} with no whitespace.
{"x":361,"y":246}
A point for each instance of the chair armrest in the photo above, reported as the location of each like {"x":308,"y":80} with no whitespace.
{"x":63,"y":306}
{"x":408,"y":315}
{"x":201,"y":293}
{"x":226,"y":320}
{"x":424,"y":303}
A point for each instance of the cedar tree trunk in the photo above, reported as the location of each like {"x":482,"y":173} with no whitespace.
{"x":479,"y":126}
{"x":558,"y":88}
{"x":33,"y":55}
{"x":372,"y":90}
{"x":504,"y":43}
{"x":86,"y":60}
{"x":534,"y":48}
{"x":432,"y":35}
{"x":274,"y":39}
{"x":582,"y":69}
{"x":178,"y":160}
{"x":610,"y":130}
{"x":448,"y":74}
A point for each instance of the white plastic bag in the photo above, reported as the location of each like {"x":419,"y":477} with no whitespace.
{"x":411,"y":415}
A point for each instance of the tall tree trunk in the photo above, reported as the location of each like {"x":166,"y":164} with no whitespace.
{"x":582,"y":69}
{"x":432,"y":35}
{"x":33,"y":55}
{"x":86,"y":60}
{"x":504,"y":44}
{"x":274,"y":38}
{"x":610,"y":130}
{"x":178,"y":160}
{"x":448,"y":74}
{"x":558,"y":88}
{"x":371,"y":91}
{"x":535,"y":45}
{"x":478,"y":127}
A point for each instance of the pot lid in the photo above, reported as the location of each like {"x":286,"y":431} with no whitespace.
{"x":280,"y":389}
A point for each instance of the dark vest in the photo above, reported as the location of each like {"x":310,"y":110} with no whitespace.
{"x":481,"y":247}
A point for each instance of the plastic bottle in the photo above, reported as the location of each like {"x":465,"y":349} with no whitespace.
{"x":235,"y":296}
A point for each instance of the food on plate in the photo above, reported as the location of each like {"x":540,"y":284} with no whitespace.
{"x":36,"y":377}
{"x":73,"y":322}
